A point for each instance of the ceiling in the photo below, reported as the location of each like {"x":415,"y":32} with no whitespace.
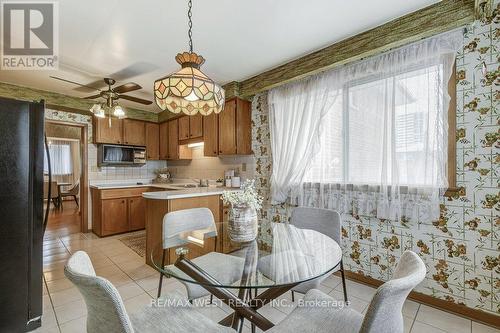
{"x":137,"y":41}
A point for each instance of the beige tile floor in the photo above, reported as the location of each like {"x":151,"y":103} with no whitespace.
{"x":64,"y":308}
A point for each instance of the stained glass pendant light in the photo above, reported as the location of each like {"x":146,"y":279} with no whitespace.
{"x":189,"y":90}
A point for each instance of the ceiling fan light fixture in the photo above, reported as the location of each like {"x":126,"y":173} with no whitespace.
{"x":118,"y":112}
{"x":98,"y":111}
{"x":189,"y":90}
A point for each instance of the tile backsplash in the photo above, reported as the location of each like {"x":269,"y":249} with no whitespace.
{"x":211,"y":167}
{"x":112,"y":174}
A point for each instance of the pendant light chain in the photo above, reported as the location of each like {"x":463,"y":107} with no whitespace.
{"x":190,"y":24}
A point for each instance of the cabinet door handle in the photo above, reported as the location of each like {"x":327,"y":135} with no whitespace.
{"x":123,"y":201}
{"x":131,"y":200}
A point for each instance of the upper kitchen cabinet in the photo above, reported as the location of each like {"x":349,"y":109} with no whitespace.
{"x":108,"y":130}
{"x":152,"y":141}
{"x":170,"y":149}
{"x":243,"y":127}
{"x":227,"y":129}
{"x":210,"y":135}
{"x":190,"y":127}
{"x":183,"y":128}
{"x":196,"y":126}
{"x":163,"y":141}
{"x":119,"y":131}
{"x":235,"y":131}
{"x":134,"y":132}
{"x":173,"y":140}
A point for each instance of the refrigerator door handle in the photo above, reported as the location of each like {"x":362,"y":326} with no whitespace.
{"x":49,"y":194}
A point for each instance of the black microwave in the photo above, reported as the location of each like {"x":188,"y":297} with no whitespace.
{"x":116,"y":155}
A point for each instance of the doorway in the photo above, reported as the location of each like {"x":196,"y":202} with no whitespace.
{"x":67,"y":144}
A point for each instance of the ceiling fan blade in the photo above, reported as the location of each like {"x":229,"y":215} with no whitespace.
{"x":73,"y":82}
{"x":93,"y":96}
{"x":135,"y":99}
{"x":127,"y":87}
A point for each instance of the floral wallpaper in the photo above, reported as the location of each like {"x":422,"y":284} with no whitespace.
{"x":461,"y":249}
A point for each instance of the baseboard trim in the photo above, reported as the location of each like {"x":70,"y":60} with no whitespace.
{"x":441,"y":304}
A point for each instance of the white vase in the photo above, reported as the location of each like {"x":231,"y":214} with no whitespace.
{"x":243,"y":225}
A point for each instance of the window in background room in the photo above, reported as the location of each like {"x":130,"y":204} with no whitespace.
{"x":60,"y":158}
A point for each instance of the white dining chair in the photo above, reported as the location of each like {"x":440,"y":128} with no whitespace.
{"x":327,"y":222}
{"x":322,"y":313}
{"x":226,"y":269}
{"x":106,"y":311}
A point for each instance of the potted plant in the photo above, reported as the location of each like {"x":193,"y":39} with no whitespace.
{"x":243,"y":225}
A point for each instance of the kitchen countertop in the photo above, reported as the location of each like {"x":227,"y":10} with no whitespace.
{"x":172,"y":190}
{"x":133,"y":185}
{"x":186,"y":193}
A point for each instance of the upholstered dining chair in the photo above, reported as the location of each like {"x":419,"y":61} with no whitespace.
{"x":74,"y":191}
{"x":54,"y":192}
{"x":327,"y":222}
{"x":322,"y":313}
{"x":224,"y":268}
{"x":106,"y":311}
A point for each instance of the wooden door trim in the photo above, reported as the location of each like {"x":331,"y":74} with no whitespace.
{"x":84,"y":185}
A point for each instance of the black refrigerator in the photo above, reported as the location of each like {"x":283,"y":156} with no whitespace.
{"x":22,"y":214}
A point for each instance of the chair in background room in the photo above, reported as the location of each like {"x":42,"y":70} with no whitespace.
{"x":54,"y":195}
{"x":224,"y":268}
{"x":322,"y":313}
{"x":74,"y":191}
{"x":106,"y":311}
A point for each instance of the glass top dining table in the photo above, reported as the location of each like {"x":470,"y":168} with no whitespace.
{"x":282,"y":255}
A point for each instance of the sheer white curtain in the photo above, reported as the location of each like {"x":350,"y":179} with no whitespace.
{"x":295,"y":113}
{"x":381,"y":147}
{"x":65,"y":160}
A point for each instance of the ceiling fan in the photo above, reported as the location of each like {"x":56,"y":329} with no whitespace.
{"x":112,"y":94}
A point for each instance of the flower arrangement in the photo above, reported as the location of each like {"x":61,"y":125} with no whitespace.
{"x":248,"y":196}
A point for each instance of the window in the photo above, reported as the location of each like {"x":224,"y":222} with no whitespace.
{"x":385,"y":128}
{"x":60,"y":159}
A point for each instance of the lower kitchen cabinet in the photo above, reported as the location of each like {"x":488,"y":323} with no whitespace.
{"x":137,"y":213}
{"x":114,"y":216}
{"x":116,"y":211}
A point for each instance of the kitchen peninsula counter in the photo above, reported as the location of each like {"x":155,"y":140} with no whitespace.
{"x":160,"y":203}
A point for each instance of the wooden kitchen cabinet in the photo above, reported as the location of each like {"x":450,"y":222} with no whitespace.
{"x":108,"y":130}
{"x":173,"y":140}
{"x":134,"y":132}
{"x":118,"y":210}
{"x":235,"y":128}
{"x":152,"y":141}
{"x":211,"y":135}
{"x":227,"y":129}
{"x":190,"y":127}
{"x":120,"y":131}
{"x":196,"y":126}
{"x":114,"y":216}
{"x":184,"y":127}
{"x":163,"y":141}
{"x":136,"y":213}
{"x":243,"y":127}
